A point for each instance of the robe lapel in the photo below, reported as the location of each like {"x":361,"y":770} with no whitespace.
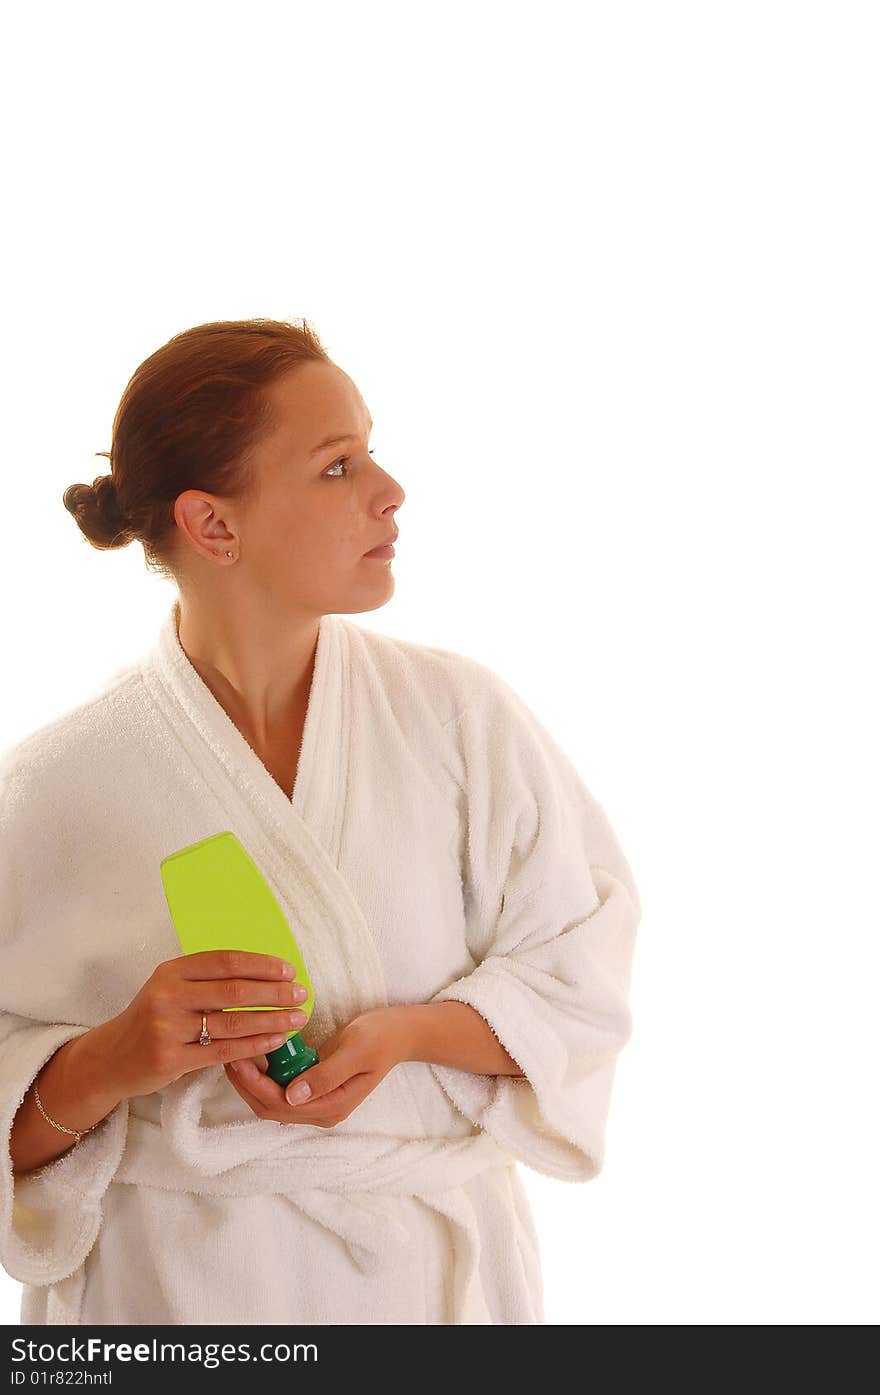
{"x":295,"y":842}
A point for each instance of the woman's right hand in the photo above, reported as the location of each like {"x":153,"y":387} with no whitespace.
{"x":156,"y":1039}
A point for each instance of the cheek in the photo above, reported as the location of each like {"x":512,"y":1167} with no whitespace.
{"x":283,"y":531}
{"x":295,"y":536}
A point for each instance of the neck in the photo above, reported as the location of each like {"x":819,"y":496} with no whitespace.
{"x":259,"y":669}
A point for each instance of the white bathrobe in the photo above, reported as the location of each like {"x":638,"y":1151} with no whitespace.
{"x":438,"y":845}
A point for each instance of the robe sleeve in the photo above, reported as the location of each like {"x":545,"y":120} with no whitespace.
{"x":552,"y":911}
{"x":50,"y":1217}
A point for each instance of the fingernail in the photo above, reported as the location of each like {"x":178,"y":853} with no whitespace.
{"x":287,"y":970}
{"x":233,"y":1065}
{"x":299,"y":1092}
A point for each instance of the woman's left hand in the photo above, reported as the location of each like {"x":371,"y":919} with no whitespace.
{"x":354,"y":1059}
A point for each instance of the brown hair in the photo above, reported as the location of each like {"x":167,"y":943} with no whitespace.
{"x":189,"y":418}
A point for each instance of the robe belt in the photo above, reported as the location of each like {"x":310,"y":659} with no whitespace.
{"x":352,"y":1168}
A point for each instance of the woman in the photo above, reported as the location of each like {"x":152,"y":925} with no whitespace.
{"x":462,"y":904}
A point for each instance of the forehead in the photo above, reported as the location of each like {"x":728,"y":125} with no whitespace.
{"x":313,"y":401}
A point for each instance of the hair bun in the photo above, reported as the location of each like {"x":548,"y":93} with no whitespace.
{"x":97,"y":510}
{"x":107,"y":499}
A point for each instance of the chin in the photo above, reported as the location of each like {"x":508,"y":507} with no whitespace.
{"x":367,"y":598}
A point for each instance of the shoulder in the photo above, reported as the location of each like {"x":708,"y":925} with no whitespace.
{"x":497,"y":734}
{"x":455,"y":683}
{"x":76,"y":740}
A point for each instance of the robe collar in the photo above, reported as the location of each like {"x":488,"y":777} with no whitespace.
{"x":320,"y":776}
{"x":295,"y":842}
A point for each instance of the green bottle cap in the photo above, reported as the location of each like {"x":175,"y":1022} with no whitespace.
{"x":291,"y":1059}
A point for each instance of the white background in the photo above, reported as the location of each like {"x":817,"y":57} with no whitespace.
{"x":607,"y":278}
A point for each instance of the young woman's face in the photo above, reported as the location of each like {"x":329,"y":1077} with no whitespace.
{"x":319,"y":508}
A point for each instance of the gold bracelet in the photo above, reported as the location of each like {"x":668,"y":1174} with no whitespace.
{"x":77,"y":1133}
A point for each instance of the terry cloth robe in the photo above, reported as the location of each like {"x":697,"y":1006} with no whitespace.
{"x":438,"y":845}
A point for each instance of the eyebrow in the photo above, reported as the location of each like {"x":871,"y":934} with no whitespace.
{"x":334,"y":441}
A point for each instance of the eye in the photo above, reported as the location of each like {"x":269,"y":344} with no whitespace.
{"x":343,"y":460}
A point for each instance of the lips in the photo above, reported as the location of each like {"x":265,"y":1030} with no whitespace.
{"x":385,"y":543}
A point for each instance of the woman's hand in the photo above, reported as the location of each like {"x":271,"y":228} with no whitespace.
{"x":354,"y":1059}
{"x":156,"y":1039}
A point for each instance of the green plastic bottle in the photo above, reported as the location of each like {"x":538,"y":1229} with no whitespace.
{"x":219,"y":899}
